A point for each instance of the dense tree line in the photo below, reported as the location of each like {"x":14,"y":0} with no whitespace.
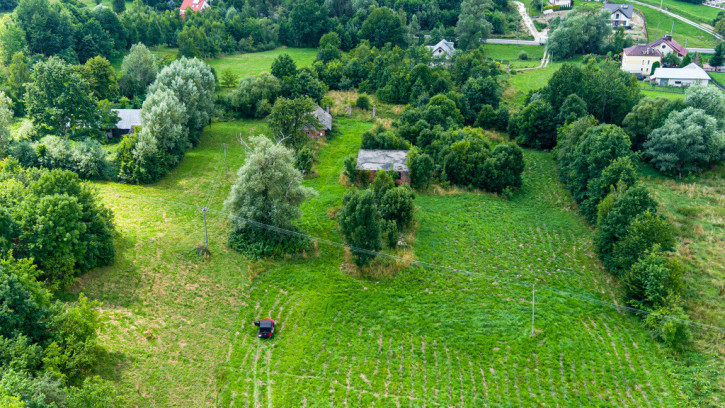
{"x":51,"y":229}
{"x":585,"y":30}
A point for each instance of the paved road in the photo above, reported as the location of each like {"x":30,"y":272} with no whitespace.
{"x":702,"y":50}
{"x":683,"y":19}
{"x":528,"y":22}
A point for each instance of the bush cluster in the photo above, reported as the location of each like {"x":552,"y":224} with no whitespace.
{"x":178,"y":106}
{"x":376,"y":217}
{"x":632,"y":239}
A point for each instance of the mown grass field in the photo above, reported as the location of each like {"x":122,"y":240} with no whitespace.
{"x":244,"y":65}
{"x":506,"y":54}
{"x":429,"y":337}
{"x":659,"y":24}
{"x":251,"y":64}
{"x":696,"y":12}
{"x":179,"y":327}
{"x":696,"y":205}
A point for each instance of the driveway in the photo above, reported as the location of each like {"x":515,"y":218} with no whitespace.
{"x":527,"y":21}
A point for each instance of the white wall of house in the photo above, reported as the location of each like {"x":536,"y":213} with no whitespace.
{"x":639,"y":64}
{"x":681,"y":82}
{"x":619,"y":19}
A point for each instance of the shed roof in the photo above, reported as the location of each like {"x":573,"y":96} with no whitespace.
{"x":382,"y":160}
{"x":323,"y":117}
{"x":128,"y":118}
{"x":625,"y":9}
{"x":692,"y":71}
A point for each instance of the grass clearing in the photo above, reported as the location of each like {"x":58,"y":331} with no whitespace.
{"x":180,"y":330}
{"x":255,"y":63}
{"x":698,"y":13}
{"x":659,"y":24}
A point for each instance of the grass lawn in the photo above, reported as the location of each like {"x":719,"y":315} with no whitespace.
{"x":243,"y":64}
{"x":659,"y":24}
{"x":506,"y":51}
{"x":695,"y":12}
{"x":159,"y":52}
{"x":718,"y":76}
{"x":524,"y":81}
{"x":255,"y":63}
{"x":434,"y":337}
{"x":180,"y":330}
{"x":696,"y":205}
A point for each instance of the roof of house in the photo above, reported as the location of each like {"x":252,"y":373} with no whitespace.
{"x":625,"y":9}
{"x":641,"y":50}
{"x":194,"y":5}
{"x":382,"y":160}
{"x":446,"y":46}
{"x":323,"y":117}
{"x":692,"y":71}
{"x":667,"y":39}
{"x":128,"y":118}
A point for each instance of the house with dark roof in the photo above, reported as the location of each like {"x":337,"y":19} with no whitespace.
{"x":443,"y":49}
{"x":324,"y":120}
{"x":128,"y":119}
{"x":666,"y":45}
{"x":639,"y":59}
{"x":387,"y":160}
{"x":621,"y":14}
{"x":193,"y":5}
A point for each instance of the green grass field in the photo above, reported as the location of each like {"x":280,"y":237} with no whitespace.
{"x":718,"y":76}
{"x":180,"y":331}
{"x":510,"y":53}
{"x":242,"y":64}
{"x":695,"y":12}
{"x":255,"y":63}
{"x":659,"y":24}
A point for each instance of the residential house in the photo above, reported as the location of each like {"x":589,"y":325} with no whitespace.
{"x":193,"y":5}
{"x":621,"y":14}
{"x":128,"y":119}
{"x":325,"y":123}
{"x":690,"y":75}
{"x":443,"y":49}
{"x":639,"y":59}
{"x":388,"y":160}
{"x":666,"y":45}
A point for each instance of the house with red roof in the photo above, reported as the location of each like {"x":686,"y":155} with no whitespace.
{"x":193,"y":5}
{"x":640,"y":58}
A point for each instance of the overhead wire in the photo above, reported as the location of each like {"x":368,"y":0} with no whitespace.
{"x":429,"y":265}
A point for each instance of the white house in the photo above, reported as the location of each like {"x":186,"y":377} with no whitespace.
{"x":681,"y":77}
{"x":443,"y":48}
{"x":621,"y":14}
{"x":639,"y":59}
{"x":666,"y":45}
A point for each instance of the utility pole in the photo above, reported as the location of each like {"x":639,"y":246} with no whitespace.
{"x":225,"y":159}
{"x":533,"y":306}
{"x":206,"y":238}
{"x":673,"y":28}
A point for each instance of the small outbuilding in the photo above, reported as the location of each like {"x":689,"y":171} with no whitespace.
{"x":690,"y":75}
{"x":387,"y":160}
{"x":325,"y":123}
{"x":128,"y":119}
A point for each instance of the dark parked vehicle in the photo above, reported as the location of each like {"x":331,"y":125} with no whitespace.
{"x":266,"y":328}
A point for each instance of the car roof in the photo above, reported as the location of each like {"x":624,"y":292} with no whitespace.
{"x":266,"y":323}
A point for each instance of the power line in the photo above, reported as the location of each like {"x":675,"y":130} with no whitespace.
{"x":429,"y":265}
